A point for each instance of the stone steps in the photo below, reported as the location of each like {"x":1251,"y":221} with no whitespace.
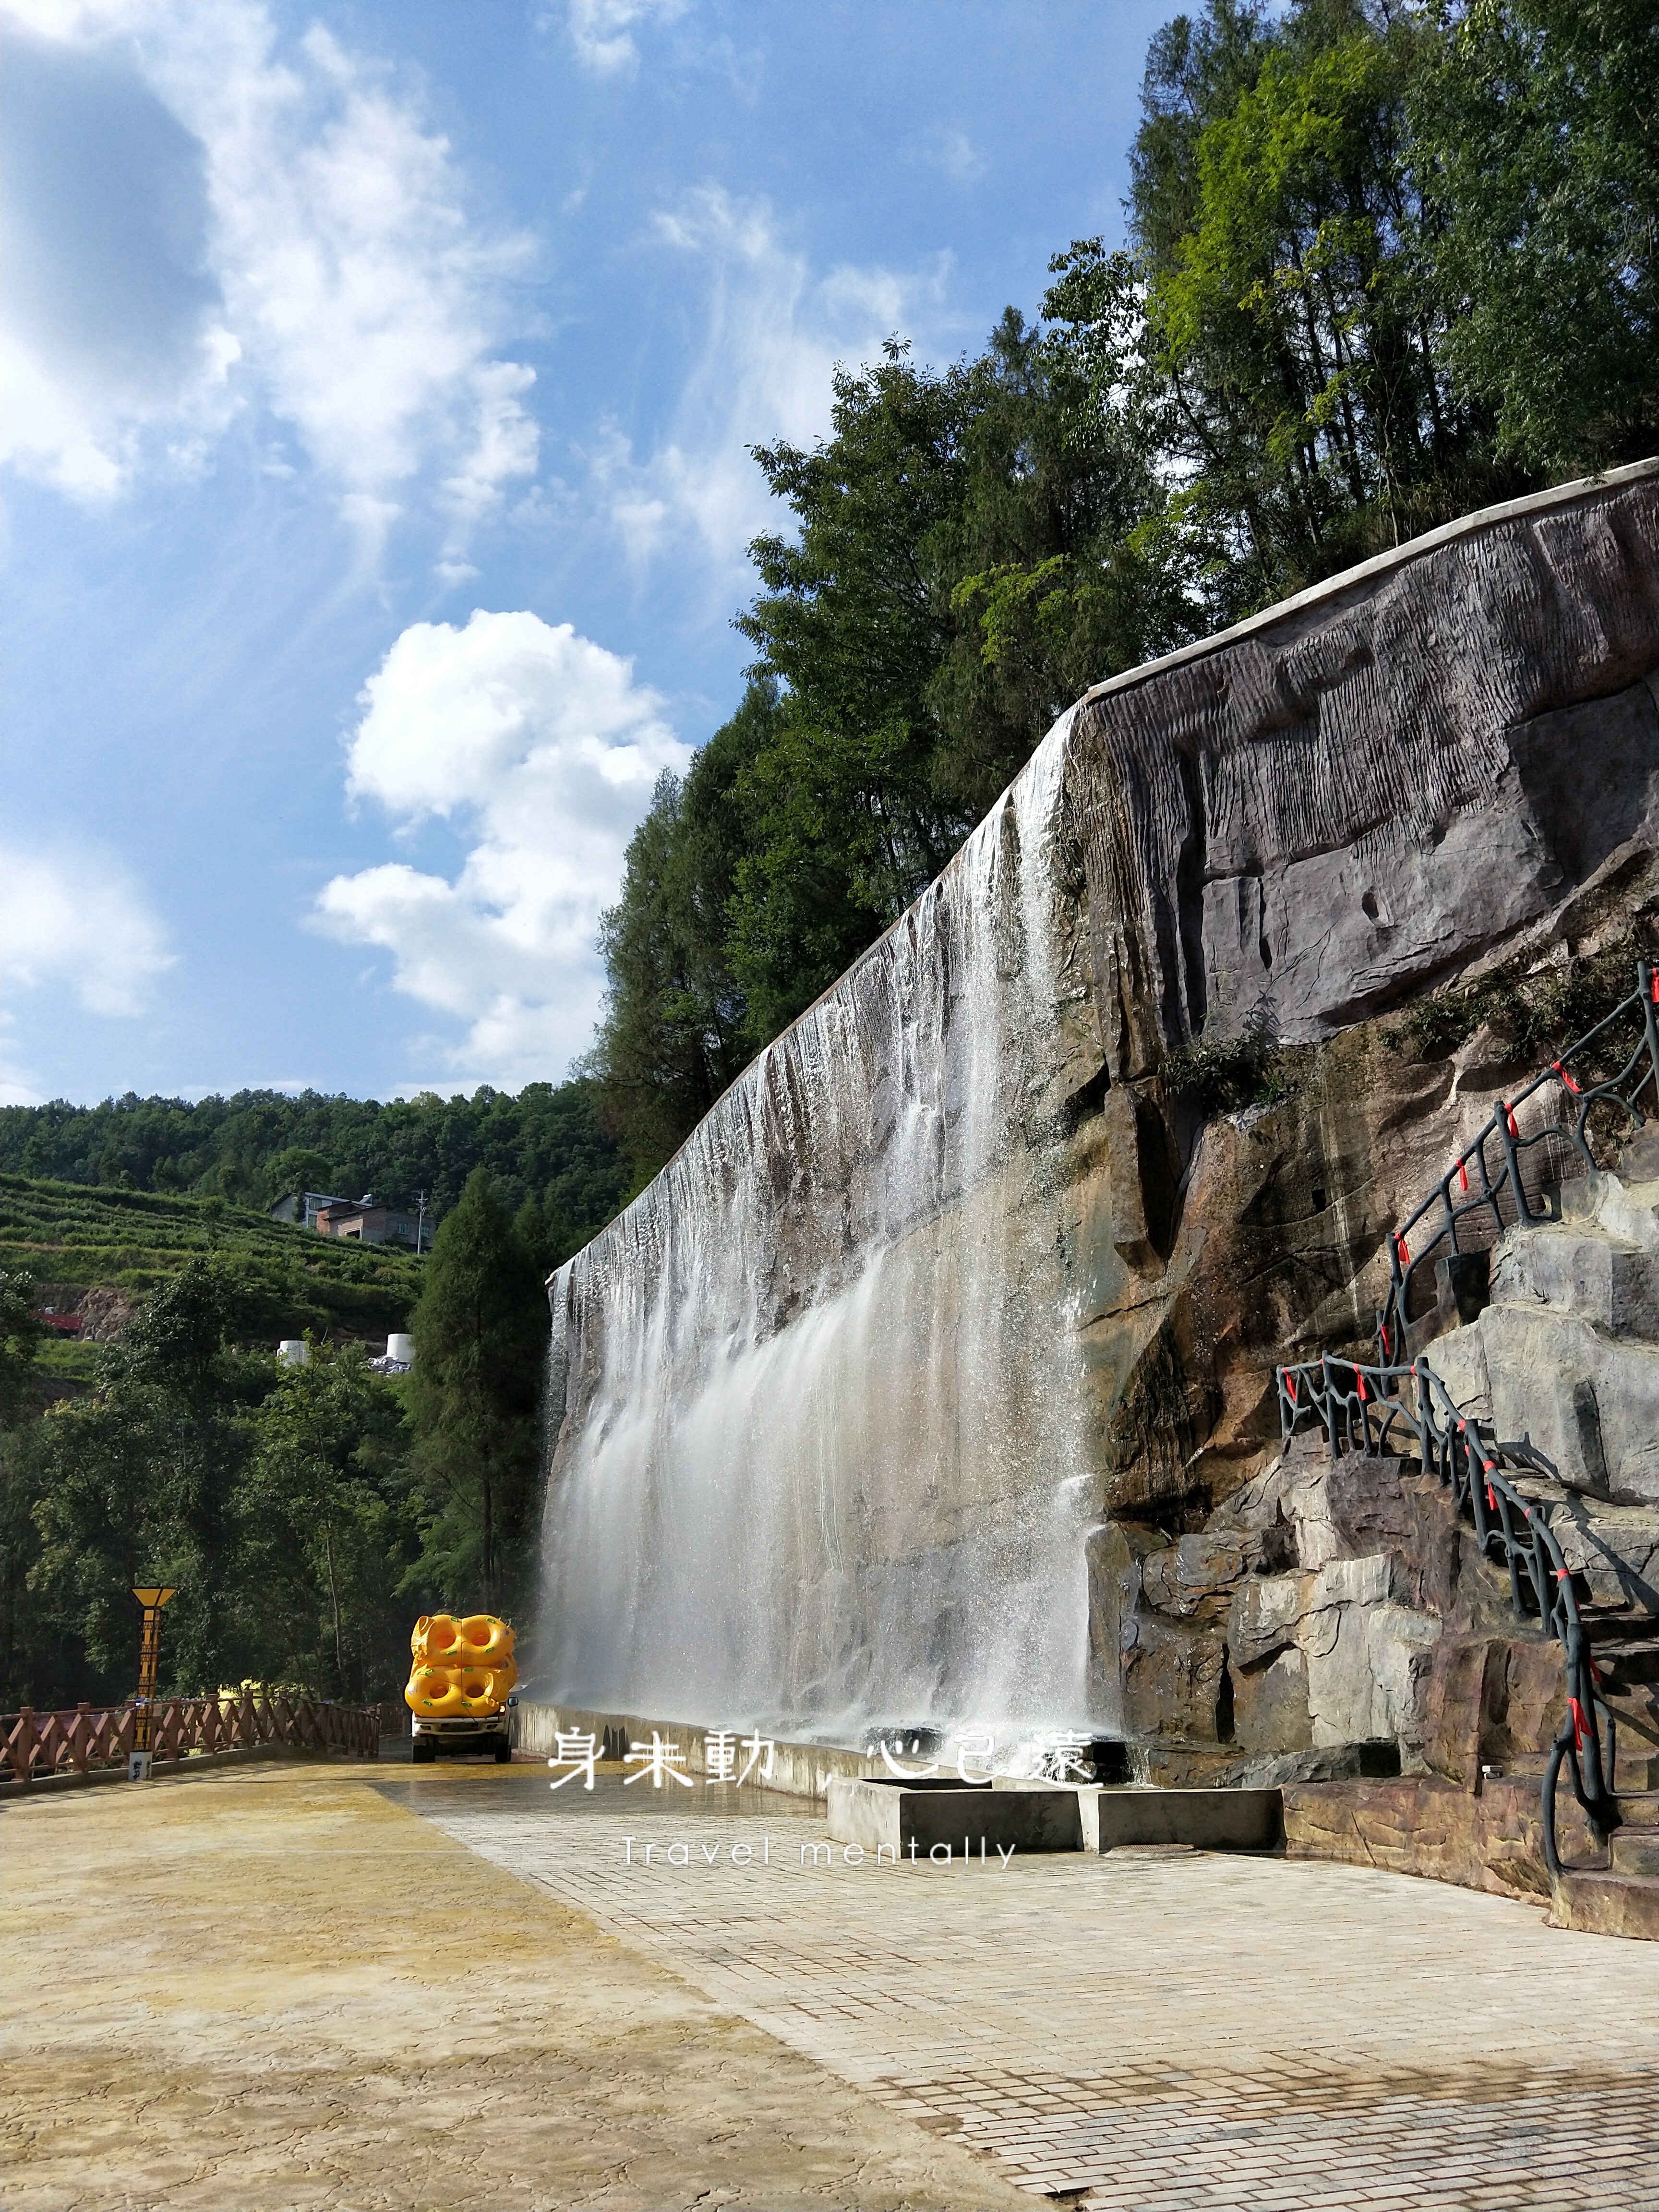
{"x":1634,"y":1850}
{"x":1610,"y":1904}
{"x":1628,"y":1667}
{"x":1566,"y":1352}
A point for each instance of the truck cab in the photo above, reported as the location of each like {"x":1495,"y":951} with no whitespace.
{"x":486,"y":1737}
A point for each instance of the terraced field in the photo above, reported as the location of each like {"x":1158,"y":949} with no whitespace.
{"x":75,"y":1237}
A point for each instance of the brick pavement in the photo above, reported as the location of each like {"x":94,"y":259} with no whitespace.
{"x":1186,"y":2033}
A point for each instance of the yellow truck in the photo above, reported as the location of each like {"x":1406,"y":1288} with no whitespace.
{"x":460,"y":1685}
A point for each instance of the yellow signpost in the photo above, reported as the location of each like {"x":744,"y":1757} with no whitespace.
{"x":149,"y":1660}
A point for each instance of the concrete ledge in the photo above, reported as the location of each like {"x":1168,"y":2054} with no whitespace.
{"x":14,"y":1791}
{"x":1335,"y":589}
{"x":954,"y":1822}
{"x":1209,"y":1819}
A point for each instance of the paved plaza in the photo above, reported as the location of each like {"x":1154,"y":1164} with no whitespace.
{"x":1170,"y":2031}
{"x":293,"y":1987}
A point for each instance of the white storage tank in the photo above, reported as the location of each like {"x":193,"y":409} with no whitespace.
{"x":401,"y":1348}
{"x":294,"y":1352}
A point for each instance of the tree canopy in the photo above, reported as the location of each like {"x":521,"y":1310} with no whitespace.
{"x":1387,"y":260}
{"x":546,"y":1142}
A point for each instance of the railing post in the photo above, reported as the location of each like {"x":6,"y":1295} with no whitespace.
{"x":1645,"y":984}
{"x":20,"y":1748}
{"x":1523,"y":1213}
{"x":1420,"y":1412}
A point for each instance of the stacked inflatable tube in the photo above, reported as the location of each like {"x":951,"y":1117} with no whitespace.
{"x":463,"y":1667}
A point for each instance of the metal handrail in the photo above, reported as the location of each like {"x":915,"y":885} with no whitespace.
{"x":1361,"y":1414}
{"x":1482,"y":1182}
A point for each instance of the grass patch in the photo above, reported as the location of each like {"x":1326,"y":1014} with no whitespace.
{"x":1538,"y":1014}
{"x":1223,"y":1077}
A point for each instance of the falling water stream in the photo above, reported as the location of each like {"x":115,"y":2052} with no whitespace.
{"x":815,"y":1393}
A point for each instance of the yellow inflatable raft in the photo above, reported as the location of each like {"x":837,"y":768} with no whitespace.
{"x":462,"y":1667}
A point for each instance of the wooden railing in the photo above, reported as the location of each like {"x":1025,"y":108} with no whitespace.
{"x":34,"y":1745}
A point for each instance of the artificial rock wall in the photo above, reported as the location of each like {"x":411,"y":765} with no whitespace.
{"x":950,"y":1308}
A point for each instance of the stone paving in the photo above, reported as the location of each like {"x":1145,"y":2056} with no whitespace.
{"x":1153,"y":2031}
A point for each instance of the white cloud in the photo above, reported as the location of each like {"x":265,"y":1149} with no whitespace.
{"x":601,"y":30}
{"x":773,"y":336}
{"x":319,"y":258}
{"x":75,"y":919}
{"x":952,"y":153}
{"x":542,"y":751}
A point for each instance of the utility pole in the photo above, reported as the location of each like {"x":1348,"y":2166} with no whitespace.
{"x":420,"y":1225}
{"x":149,"y":1662}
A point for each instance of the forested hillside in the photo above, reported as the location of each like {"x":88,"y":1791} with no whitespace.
{"x":545,"y":1148}
{"x":1386,"y":262}
{"x":306,"y":1514}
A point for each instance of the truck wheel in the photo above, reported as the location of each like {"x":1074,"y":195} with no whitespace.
{"x":422,"y":1754}
{"x":503,"y":1754}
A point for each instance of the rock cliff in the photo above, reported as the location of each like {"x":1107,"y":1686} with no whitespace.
{"x":932,"y":1381}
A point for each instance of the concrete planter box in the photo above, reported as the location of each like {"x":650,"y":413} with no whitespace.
{"x":1227,"y":1820}
{"x":1209,"y":1819}
{"x":950,"y":1819}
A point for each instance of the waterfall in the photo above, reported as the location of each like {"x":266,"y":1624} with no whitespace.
{"x":815,"y":1400}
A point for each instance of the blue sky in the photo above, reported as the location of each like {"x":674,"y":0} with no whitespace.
{"x":376,"y":382}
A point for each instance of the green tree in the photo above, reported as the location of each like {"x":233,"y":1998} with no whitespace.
{"x":296,"y":1168}
{"x":20,"y":1628}
{"x":676,"y":1026}
{"x":20,"y":1339}
{"x":140,"y":1482}
{"x":976,"y":545}
{"x":846,"y":823}
{"x":1294,"y":328}
{"x":1537,"y":138}
{"x":480,"y":1330}
{"x":277,"y":1500}
{"x":1065,"y":568}
{"x":328,"y":1525}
